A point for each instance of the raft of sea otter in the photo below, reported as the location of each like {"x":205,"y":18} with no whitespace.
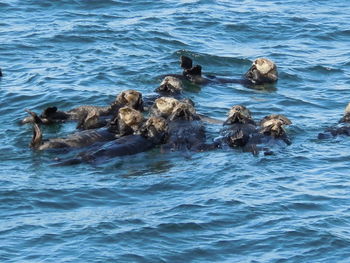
{"x":172,"y":122}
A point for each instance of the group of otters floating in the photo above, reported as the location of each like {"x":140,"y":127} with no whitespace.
{"x":172,"y":123}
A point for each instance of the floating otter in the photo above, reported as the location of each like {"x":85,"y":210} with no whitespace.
{"x":151,"y":134}
{"x":186,"y":131}
{"x":170,"y":85}
{"x":241,"y":131}
{"x":271,"y":134}
{"x":343,"y":127}
{"x":273,"y":126}
{"x":90,"y":117}
{"x":262,"y":71}
{"x":0,"y":73}
{"x":126,"y":122}
{"x":238,"y":127}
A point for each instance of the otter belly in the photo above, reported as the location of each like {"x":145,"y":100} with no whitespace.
{"x":79,"y":139}
{"x":126,"y":145}
{"x":185,"y":135}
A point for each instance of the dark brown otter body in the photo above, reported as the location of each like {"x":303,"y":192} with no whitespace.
{"x":241,"y":131}
{"x":238,"y":128}
{"x":186,"y":131}
{"x":343,"y":127}
{"x":262,"y":71}
{"x":271,"y":134}
{"x":90,"y":117}
{"x":126,"y":122}
{"x":151,"y":134}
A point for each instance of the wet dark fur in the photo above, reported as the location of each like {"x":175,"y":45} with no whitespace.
{"x":185,"y":135}
{"x":194,"y":74}
{"x":343,"y":128}
{"x":78,"y":139}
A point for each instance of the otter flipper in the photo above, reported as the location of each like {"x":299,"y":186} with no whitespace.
{"x":37,"y":133}
{"x":185,"y":62}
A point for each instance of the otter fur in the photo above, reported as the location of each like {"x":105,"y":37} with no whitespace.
{"x":186,"y":131}
{"x":342,"y":128}
{"x":90,"y":117}
{"x":262,"y":71}
{"x":126,"y":122}
{"x":150,"y":134}
{"x":238,"y":127}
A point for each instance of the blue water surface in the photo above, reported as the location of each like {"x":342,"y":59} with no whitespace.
{"x":219,"y":206}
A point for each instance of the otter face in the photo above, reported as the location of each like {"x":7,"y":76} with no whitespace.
{"x":131,"y":98}
{"x":156,"y":129}
{"x":239,"y":114}
{"x":183,"y":111}
{"x":130,"y":117}
{"x":170,"y":85}
{"x":273,"y":125}
{"x":165,"y":105}
{"x":262,"y":71}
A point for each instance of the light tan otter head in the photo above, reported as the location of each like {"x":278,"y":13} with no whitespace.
{"x":183,"y":111}
{"x":164,"y":106}
{"x":239,"y":114}
{"x":264,"y":65}
{"x":171,"y":85}
{"x":131,"y":98}
{"x":274,"y":125}
{"x":262,"y":71}
{"x":132,"y":118}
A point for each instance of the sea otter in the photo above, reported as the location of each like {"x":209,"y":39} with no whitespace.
{"x":151,"y":134}
{"x":0,"y":73}
{"x":262,"y":71}
{"x":271,"y":135}
{"x":126,"y":122}
{"x":186,"y":131}
{"x":240,"y":130}
{"x":342,"y":128}
{"x":90,"y":117}
{"x":238,"y":127}
{"x":170,"y":85}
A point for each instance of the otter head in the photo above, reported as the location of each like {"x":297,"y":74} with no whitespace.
{"x":126,"y":121}
{"x":130,"y":117}
{"x":155,"y":128}
{"x":130,"y":98}
{"x":239,"y":114}
{"x":183,"y":111}
{"x":170,"y":85}
{"x":164,"y":106}
{"x":273,"y":125}
{"x":346,"y":117}
{"x":262,"y":71}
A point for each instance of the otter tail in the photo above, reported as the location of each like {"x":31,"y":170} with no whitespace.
{"x":37,"y":133}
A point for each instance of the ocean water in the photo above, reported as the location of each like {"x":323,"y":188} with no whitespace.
{"x":219,"y":206}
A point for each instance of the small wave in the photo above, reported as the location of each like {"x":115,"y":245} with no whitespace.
{"x":61,"y":38}
{"x":320,"y":69}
